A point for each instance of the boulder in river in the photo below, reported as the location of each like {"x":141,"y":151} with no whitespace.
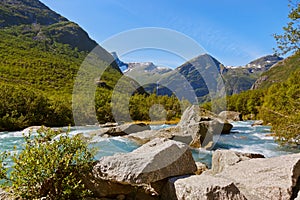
{"x":276,"y":178}
{"x":195,"y":115}
{"x":266,"y":178}
{"x":224,"y":158}
{"x":230,"y":116}
{"x":144,"y":167}
{"x":196,"y":128}
{"x":121,"y":130}
{"x":203,"y":187}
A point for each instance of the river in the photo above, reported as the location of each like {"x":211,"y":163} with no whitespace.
{"x":243,"y":138}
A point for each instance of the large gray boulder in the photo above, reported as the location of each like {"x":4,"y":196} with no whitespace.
{"x":196,"y":128}
{"x":201,"y":125}
{"x":230,"y":116}
{"x":203,"y":187}
{"x":151,"y":163}
{"x":266,"y":178}
{"x":195,"y":115}
{"x":154,"y":161}
{"x":195,"y":135}
{"x":224,"y":158}
{"x":148,"y":135}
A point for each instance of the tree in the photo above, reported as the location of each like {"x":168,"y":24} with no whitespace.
{"x":289,"y":41}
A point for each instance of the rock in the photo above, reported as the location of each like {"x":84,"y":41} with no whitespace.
{"x":199,"y":132}
{"x":266,"y":178}
{"x":154,"y":161}
{"x":258,"y":123}
{"x":195,"y":114}
{"x":201,"y":167}
{"x":121,"y":130}
{"x":202,"y":187}
{"x":230,"y":116}
{"x":196,"y":135}
{"x":134,"y":128}
{"x":145,"y":166}
{"x":196,"y":128}
{"x":190,"y":116}
{"x":105,"y":188}
{"x":224,"y":158}
{"x":220,"y":127}
{"x":148,"y":135}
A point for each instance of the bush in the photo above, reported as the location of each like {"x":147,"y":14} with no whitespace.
{"x":48,"y":167}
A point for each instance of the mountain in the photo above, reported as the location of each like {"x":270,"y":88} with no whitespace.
{"x":20,"y":12}
{"x":238,"y":79}
{"x":43,"y":23}
{"x":40,"y":55}
{"x":197,"y":74}
{"x":145,"y":71}
{"x":278,"y":73}
{"x":192,"y":76}
{"x":264,"y":63}
{"x":185,"y":81}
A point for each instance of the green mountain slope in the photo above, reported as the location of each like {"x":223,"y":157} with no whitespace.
{"x":278,"y":73}
{"x":17,"y":12}
{"x":40,"y":54}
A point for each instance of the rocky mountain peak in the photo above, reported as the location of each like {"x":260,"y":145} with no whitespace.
{"x":202,"y":62}
{"x":17,"y":12}
{"x":264,"y":62}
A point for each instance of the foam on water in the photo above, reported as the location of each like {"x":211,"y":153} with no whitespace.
{"x":252,"y":139}
{"x":263,"y":136}
{"x":157,"y":127}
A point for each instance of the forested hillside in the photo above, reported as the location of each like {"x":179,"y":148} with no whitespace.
{"x":278,"y":73}
{"x":37,"y":78}
{"x":40,"y":55}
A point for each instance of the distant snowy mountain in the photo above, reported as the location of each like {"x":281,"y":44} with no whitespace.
{"x":160,"y":79}
{"x":238,"y":79}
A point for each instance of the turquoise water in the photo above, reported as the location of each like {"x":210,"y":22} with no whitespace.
{"x":244,"y":138}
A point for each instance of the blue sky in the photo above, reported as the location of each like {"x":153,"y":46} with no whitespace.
{"x":233,"y":31}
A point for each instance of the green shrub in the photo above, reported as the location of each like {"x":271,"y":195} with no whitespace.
{"x":48,"y":167}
